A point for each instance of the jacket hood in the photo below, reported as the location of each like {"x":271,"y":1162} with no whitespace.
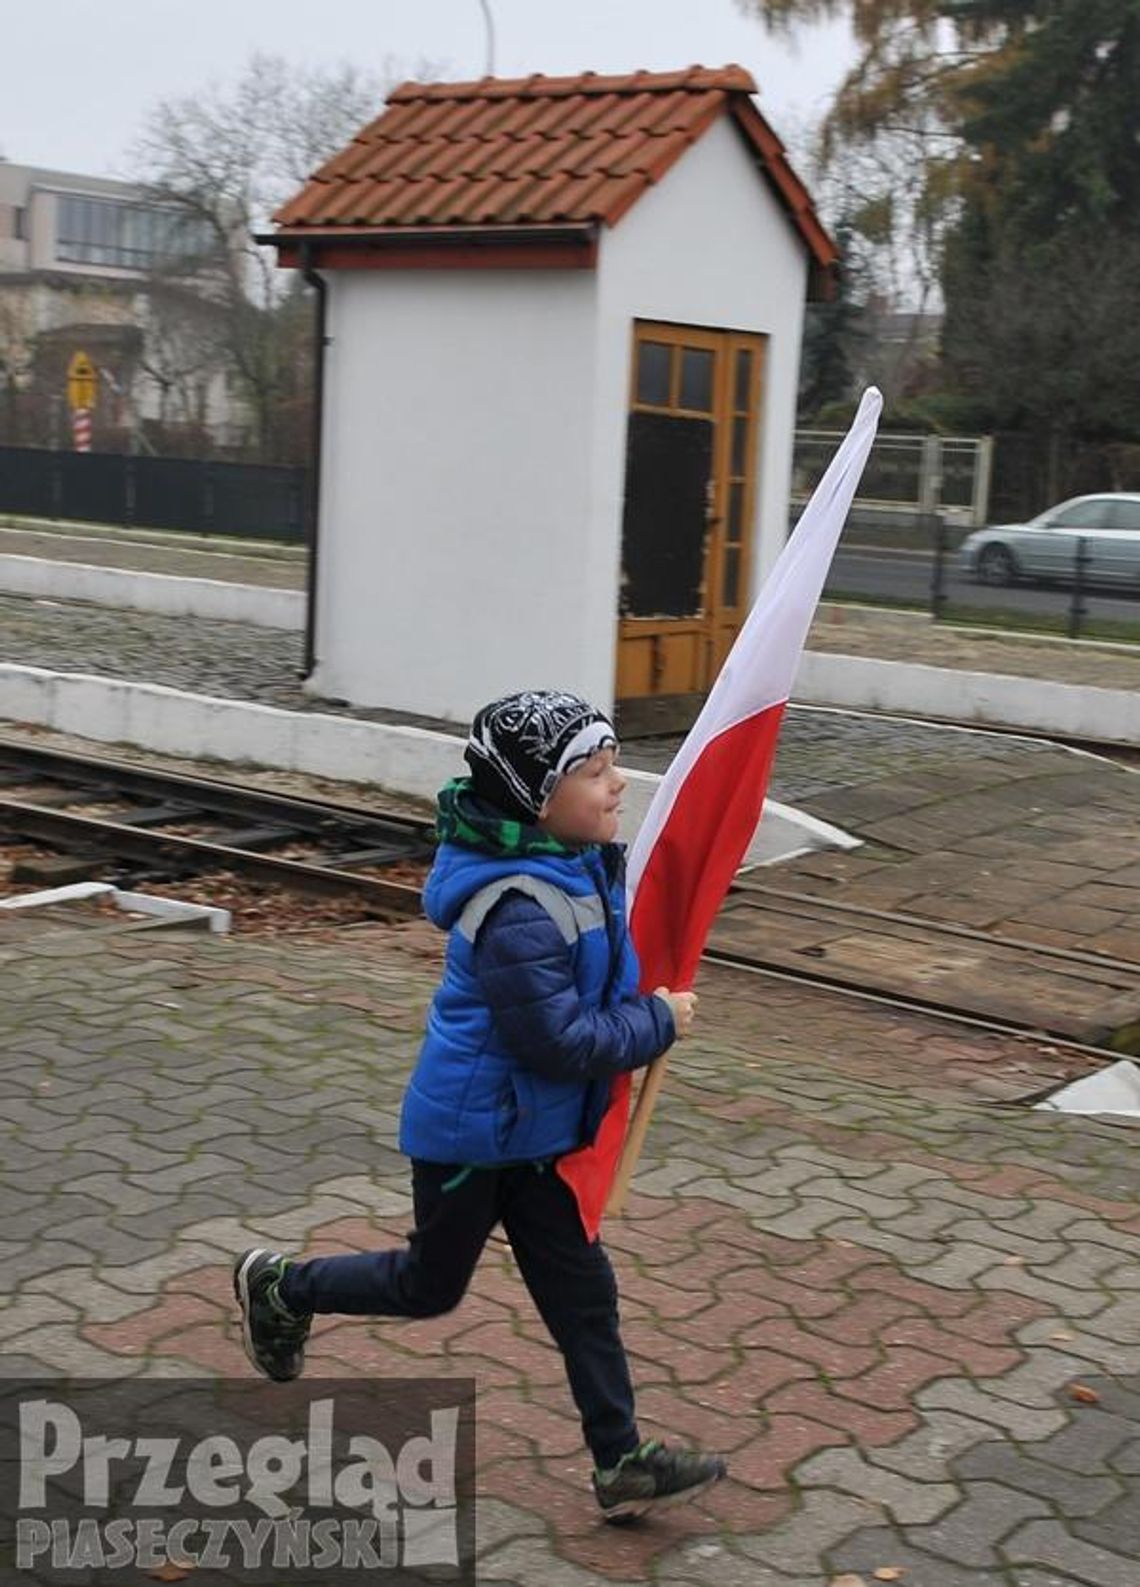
{"x":479,"y":845}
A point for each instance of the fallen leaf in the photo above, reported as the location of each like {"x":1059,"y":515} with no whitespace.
{"x":1062,"y":1333}
{"x":169,"y":1571}
{"x":1083,"y":1394}
{"x":889,"y":1573}
{"x":1015,"y":1261}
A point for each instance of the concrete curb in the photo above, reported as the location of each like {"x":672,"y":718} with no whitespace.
{"x":405,"y":760}
{"x":862,"y":683}
{"x":173,"y":596}
{"x":171,"y":539}
{"x":171,"y":910}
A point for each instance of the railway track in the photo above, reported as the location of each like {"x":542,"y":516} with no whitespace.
{"x":1001,"y":982}
{"x":160,"y":826}
{"x":150,"y":825}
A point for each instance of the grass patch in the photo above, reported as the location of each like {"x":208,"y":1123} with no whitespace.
{"x":891,"y":603}
{"x":1115,"y":630}
{"x":1001,"y":619}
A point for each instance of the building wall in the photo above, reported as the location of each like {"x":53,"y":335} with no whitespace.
{"x":41,"y":294}
{"x":37,"y":193}
{"x":710,"y":246}
{"x":456,"y":489}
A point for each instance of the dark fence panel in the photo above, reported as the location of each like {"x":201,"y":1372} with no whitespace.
{"x":246,"y":499}
{"x":250,"y":500}
{"x":169,"y":493}
{"x":26,"y":487}
{"x":92,"y":486}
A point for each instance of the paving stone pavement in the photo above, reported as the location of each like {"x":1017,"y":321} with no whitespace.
{"x":844,"y":1264}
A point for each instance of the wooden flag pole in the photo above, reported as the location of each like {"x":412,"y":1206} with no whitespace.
{"x":635,"y":1135}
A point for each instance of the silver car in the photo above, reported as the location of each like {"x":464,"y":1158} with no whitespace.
{"x":1046,"y":546}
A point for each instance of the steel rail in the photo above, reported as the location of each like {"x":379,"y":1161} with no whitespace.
{"x":208,"y":794}
{"x":62,"y":828}
{"x":928,"y":1007}
{"x":802,"y":905}
{"x":186,"y":853}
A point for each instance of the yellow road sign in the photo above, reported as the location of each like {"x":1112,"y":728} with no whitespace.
{"x":82,"y":382}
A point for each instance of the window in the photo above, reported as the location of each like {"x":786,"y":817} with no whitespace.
{"x":654,"y":365}
{"x":1078,"y":515}
{"x":103,"y":231}
{"x":1123,"y":515}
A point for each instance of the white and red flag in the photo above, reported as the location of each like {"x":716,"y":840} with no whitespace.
{"x":710,"y":800}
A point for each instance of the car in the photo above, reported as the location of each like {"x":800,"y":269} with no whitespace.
{"x":1046,"y":547}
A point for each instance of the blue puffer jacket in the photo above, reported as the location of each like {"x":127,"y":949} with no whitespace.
{"x":537,"y":1008}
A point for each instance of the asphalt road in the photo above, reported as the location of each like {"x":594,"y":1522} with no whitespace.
{"x":906,"y":576}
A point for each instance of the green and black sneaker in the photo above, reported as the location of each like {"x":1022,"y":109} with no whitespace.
{"x":274,"y":1337}
{"x":654,"y":1477}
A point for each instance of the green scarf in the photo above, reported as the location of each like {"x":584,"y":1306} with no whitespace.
{"x":464,"y":819}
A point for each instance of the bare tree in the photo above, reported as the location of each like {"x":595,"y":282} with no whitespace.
{"x":182,"y":357}
{"x":17,"y":356}
{"x":894,"y":198}
{"x":221,"y":162}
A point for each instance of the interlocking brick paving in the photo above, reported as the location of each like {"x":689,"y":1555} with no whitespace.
{"x":845,"y":1262}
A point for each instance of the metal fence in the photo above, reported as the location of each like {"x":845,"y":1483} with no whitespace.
{"x":1091,"y":587}
{"x":254,"y":501}
{"x":906,"y":475}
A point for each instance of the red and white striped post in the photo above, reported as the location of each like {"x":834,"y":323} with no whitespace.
{"x":81,"y":429}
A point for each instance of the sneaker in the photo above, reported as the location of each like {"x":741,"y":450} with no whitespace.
{"x":274,"y":1337}
{"x":653,"y":1477}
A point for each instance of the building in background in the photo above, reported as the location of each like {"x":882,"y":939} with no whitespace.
{"x":97,"y":266}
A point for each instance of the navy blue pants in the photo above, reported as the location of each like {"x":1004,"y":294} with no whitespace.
{"x":569,"y":1278}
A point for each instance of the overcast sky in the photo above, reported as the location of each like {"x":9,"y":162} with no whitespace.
{"x":82,"y":73}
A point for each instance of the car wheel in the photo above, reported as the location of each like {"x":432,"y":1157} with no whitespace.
{"x":996,"y":565}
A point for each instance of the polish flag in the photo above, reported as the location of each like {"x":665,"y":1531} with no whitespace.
{"x":709,"y":802}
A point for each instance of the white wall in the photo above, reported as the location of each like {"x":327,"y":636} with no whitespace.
{"x":710,"y":246}
{"x":455,"y":488}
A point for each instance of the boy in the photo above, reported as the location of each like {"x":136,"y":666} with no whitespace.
{"x":538,"y":1008}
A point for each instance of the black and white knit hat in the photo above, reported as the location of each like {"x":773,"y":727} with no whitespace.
{"x":521,"y":745}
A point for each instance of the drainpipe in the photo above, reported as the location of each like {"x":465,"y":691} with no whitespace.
{"x":320,"y":341}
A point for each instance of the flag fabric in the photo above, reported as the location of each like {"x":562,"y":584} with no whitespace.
{"x":707,"y":806}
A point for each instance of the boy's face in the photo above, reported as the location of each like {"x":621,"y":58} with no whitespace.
{"x":586,"y":803}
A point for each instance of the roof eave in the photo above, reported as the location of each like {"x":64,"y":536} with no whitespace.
{"x":823,"y":255}
{"x":530,"y":247}
{"x":519,"y":236}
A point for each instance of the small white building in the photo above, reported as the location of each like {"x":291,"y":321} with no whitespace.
{"x":562,"y":322}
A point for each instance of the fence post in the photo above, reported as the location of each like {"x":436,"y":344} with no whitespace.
{"x":930,"y":474}
{"x":1077,"y":609}
{"x":55,"y":486}
{"x":129,"y":491}
{"x":206,"y":502}
{"x":298,"y":479}
{"x":937,"y":525}
{"x":983,"y":478}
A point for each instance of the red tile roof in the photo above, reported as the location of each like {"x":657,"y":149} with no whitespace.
{"x":523,"y":153}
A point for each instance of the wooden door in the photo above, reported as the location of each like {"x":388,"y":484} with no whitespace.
{"x":689,"y":507}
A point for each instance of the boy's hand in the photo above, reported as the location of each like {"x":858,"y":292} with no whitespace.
{"x":683,"y":1005}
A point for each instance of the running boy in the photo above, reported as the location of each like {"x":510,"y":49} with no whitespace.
{"x":538,"y":1008}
